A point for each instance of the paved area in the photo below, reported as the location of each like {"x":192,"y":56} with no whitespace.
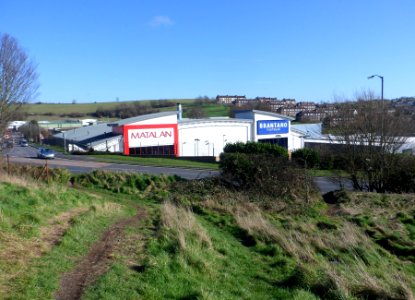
{"x":327,"y":184}
{"x":83,"y":164}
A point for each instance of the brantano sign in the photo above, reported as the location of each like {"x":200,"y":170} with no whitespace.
{"x":272,"y":127}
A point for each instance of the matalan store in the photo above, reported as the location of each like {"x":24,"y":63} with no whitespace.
{"x":167,"y":133}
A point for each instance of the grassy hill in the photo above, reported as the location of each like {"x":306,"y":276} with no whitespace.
{"x":57,"y":111}
{"x":129,"y":236}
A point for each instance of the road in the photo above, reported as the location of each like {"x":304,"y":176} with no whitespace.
{"x":327,"y":184}
{"x":84,"y":164}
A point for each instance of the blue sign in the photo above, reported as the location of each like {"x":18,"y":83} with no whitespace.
{"x":272,"y":127}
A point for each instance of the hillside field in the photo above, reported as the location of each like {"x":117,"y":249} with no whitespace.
{"x":58,"y":111}
{"x":133,"y":236}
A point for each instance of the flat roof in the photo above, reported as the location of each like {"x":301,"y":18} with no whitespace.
{"x":215,"y":120}
{"x":142,"y":118}
{"x":268,"y":113}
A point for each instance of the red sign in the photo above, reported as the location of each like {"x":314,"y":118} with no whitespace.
{"x":150,"y":135}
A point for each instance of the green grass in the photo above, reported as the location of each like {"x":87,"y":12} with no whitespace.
{"x":199,"y":240}
{"x":53,"y":147}
{"x":26,"y":208}
{"x":223,"y":270}
{"x":65,"y":108}
{"x":53,"y":111}
{"x":326,"y":173}
{"x":211,"y":110}
{"x":41,"y":280}
{"x":152,"y":161}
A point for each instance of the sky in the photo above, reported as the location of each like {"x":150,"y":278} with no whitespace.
{"x":310,"y":50}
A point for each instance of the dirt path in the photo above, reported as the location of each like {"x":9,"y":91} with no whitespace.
{"x":16,"y":253}
{"x":96,"y":262}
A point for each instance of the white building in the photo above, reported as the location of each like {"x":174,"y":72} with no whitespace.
{"x":14,"y":125}
{"x":88,"y":122}
{"x":166,"y":133}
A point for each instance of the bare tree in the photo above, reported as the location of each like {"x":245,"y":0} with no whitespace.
{"x":370,"y":134}
{"x":196,"y":112}
{"x":18,"y":79}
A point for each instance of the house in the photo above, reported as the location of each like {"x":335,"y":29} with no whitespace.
{"x":226,"y":99}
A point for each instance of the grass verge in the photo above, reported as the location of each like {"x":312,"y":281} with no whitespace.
{"x":152,"y":161}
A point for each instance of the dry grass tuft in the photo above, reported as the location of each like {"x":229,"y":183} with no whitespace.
{"x":20,"y":181}
{"x":330,"y":252}
{"x":249,"y":217}
{"x":183,"y":222}
{"x":107,"y":207}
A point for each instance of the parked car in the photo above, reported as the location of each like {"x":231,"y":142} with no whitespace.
{"x":24,"y":143}
{"x":45,"y":153}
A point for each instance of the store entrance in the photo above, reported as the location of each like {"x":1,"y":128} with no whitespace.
{"x":154,"y":150}
{"x":283,"y":142}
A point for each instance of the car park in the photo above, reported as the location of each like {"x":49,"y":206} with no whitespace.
{"x":45,"y":153}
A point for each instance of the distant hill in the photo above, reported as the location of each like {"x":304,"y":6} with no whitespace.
{"x":113,"y":110}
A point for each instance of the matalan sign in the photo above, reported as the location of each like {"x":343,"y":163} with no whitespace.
{"x":150,"y":137}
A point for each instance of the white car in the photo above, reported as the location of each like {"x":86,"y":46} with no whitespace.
{"x":45,"y":153}
{"x":24,"y":143}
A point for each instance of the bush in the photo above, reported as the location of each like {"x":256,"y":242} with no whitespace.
{"x":256,"y":148}
{"x":38,"y":173}
{"x":264,"y":169}
{"x":306,"y":157}
{"x":125,"y":183}
{"x":401,"y":177}
{"x":331,"y":161}
{"x":264,"y":174}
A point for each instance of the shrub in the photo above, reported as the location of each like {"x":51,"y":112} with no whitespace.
{"x":401,"y":177}
{"x":306,"y":157}
{"x":38,"y":173}
{"x":125,"y":183}
{"x":264,"y":169}
{"x":264,"y":174}
{"x":256,"y":148}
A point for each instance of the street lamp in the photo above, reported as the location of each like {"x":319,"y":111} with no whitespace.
{"x":381,"y":97}
{"x":382,"y":120}
{"x":224,"y":140}
{"x":197,"y":147}
{"x":381,"y":79}
{"x":183,"y":147}
{"x":207,"y":144}
{"x":64,"y":142}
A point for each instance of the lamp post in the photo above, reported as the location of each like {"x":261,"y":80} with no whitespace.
{"x":64,"y":142}
{"x":207,"y":144}
{"x":381,"y":98}
{"x":197,"y":147}
{"x":224,"y":140}
{"x":381,"y":79}
{"x":182,"y":148}
{"x":382,"y":124}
